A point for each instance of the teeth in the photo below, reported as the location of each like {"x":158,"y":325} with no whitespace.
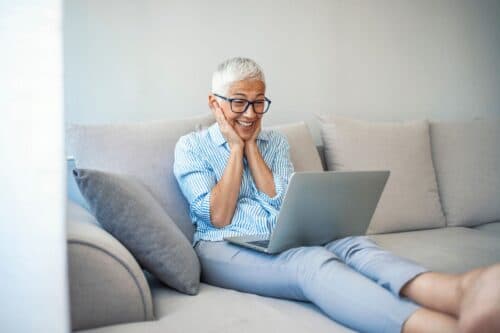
{"x":245,"y":124}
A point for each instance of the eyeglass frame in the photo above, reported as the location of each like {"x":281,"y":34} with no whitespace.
{"x":230,"y":100}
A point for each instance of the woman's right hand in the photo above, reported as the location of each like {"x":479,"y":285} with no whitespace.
{"x":227,"y":130}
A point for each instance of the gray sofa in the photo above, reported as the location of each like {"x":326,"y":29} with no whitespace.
{"x":110,"y":292}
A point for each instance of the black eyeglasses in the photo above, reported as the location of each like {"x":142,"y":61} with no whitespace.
{"x":241,"y":105}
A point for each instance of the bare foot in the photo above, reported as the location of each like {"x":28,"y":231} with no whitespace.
{"x":480,"y":306}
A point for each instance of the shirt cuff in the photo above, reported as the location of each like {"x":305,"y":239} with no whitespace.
{"x":279,"y":186}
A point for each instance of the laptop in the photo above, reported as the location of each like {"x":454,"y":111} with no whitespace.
{"x":320,"y":207}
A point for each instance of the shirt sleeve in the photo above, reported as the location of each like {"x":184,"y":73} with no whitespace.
{"x":282,"y":169}
{"x":195,"y":178}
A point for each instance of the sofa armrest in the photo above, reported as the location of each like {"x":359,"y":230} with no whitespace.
{"x":107,"y":285}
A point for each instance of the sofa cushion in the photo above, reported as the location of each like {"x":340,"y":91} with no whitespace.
{"x":107,"y":286}
{"x":493,"y":229}
{"x":467,"y":161}
{"x":410,"y":200}
{"x":144,"y":150}
{"x":451,"y":250}
{"x":128,"y":211}
{"x":222,"y":310}
{"x":303,"y":151}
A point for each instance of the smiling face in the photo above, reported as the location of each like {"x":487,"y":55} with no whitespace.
{"x":245,"y":124}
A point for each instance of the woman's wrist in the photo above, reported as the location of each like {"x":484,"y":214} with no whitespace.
{"x":237,"y":148}
{"x":250,"y":146}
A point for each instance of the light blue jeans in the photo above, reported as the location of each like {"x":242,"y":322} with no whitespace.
{"x":355,"y":282}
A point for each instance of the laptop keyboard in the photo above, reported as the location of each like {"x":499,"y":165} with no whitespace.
{"x":262,"y":243}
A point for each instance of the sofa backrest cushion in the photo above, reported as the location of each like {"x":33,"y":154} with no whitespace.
{"x":467,"y":160}
{"x":410,"y":200}
{"x":303,"y":152}
{"x":144,"y":150}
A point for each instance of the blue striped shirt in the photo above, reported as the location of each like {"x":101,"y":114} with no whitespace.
{"x":200,"y":160}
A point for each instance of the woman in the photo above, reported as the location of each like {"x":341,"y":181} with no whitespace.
{"x":234,"y":176}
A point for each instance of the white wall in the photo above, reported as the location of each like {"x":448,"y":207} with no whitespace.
{"x":414,"y":59}
{"x":33,"y":287}
{"x":386,"y":59}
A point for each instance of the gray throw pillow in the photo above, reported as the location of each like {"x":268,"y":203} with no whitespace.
{"x":128,"y":211}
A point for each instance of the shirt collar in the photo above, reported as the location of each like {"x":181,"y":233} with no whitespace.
{"x":219,"y":139}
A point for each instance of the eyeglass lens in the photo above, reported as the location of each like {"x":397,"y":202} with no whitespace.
{"x":241,"y":105}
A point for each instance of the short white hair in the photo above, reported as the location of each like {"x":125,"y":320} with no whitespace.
{"x":235,"y":69}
